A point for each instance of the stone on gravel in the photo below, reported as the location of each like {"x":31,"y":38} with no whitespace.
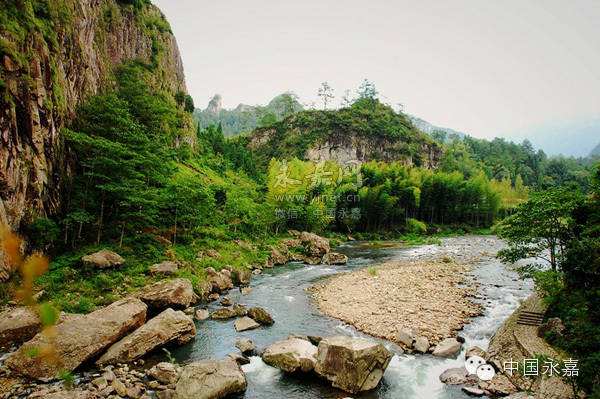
{"x":261,"y":316}
{"x":334,"y":258}
{"x":79,"y":339}
{"x":352,"y":364}
{"x":405,"y":337}
{"x":210,"y":379}
{"x":165,"y":268}
{"x":245,"y":345}
{"x":448,"y":348}
{"x":164,"y":372}
{"x":168,"y":327}
{"x":103,"y":259}
{"x":176,"y":293}
{"x":421,"y":345}
{"x":291,"y":355}
{"x":245,"y":323}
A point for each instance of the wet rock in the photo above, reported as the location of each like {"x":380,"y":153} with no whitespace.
{"x":406,"y":338}
{"x":210,"y":379}
{"x":260,"y":315}
{"x":201,"y":314}
{"x":334,"y":258}
{"x":221,"y":281}
{"x":352,"y":364}
{"x":229,"y":312}
{"x":239,"y":358}
{"x":314,"y":245}
{"x":245,"y":323}
{"x":79,"y":339}
{"x":553,"y":326}
{"x":18,"y":325}
{"x":291,"y":355}
{"x":103,"y":259}
{"x":421,"y":345}
{"x":475,"y":351}
{"x":176,"y":293}
{"x":168,"y":327}
{"x":245,"y":345}
{"x":458,"y":376}
{"x":213,"y":297}
{"x":165,"y":268}
{"x":164,"y":372}
{"x":448,"y":348}
{"x":472,"y":391}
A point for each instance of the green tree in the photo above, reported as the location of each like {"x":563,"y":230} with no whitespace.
{"x":541,"y":227}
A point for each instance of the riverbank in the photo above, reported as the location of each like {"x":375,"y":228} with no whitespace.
{"x":430,"y":293}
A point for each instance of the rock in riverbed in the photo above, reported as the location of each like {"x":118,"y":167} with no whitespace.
{"x":290,"y":355}
{"x":229,"y":312}
{"x":449,"y":348}
{"x":169,"y":326}
{"x":78,"y":340}
{"x":176,"y":293}
{"x":352,"y":364}
{"x":245,"y":345}
{"x":334,"y":258}
{"x":245,"y":323}
{"x":260,"y":315}
{"x":165,"y":372}
{"x":210,"y":379}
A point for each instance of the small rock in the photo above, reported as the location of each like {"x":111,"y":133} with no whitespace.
{"x":260,"y":315}
{"x":448,"y":348}
{"x":166,"y":394}
{"x":245,"y":323}
{"x":119,"y":387}
{"x":103,"y":259}
{"x":100,"y":383}
{"x":164,"y":372}
{"x":165,"y":268}
{"x":225,"y":301}
{"x":290,"y":355}
{"x":421,"y":344}
{"x":239,"y":358}
{"x":406,"y":338}
{"x":245,"y":345}
{"x":201,"y":314}
{"x":457,"y":376}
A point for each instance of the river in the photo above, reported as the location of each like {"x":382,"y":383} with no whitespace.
{"x":282,"y":291}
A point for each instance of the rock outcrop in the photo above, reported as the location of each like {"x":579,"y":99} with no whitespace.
{"x":168,"y":327}
{"x":47,"y":72}
{"x":77,"y":340}
{"x":176,"y":293}
{"x":210,"y":379}
{"x":291,"y":355}
{"x":352,"y":364}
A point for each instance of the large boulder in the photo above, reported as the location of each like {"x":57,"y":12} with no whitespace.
{"x":77,"y":340}
{"x":291,"y":355}
{"x":220,"y":280}
{"x":334,"y":258}
{"x":314,"y":245}
{"x":176,"y":293}
{"x":448,"y":348}
{"x":165,"y":268}
{"x":168,"y":327}
{"x":210,"y":379}
{"x":103,"y":259}
{"x":352,"y":364}
{"x":260,"y":315}
{"x":18,"y":325}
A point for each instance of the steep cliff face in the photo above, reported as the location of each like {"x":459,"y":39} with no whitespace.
{"x":53,"y":55}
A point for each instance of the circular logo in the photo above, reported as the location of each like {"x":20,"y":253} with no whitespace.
{"x":486,"y":372}
{"x":472,"y":363}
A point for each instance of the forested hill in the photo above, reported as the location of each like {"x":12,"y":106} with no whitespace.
{"x":245,"y":118}
{"x":364,"y":131}
{"x":54,"y":55}
{"x":595,"y":152}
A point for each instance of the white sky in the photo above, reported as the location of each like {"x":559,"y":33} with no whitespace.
{"x":487,"y":67}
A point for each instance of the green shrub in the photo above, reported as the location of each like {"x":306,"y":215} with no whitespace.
{"x":416,"y":226}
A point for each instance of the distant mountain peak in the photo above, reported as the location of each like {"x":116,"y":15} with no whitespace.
{"x":215,"y":104}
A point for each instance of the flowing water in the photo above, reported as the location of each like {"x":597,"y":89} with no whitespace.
{"x":282,"y":291}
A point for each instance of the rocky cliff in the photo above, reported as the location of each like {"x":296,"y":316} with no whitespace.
{"x":53,"y":55}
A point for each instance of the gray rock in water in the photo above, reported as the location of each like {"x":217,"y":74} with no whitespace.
{"x":245,"y":323}
{"x":352,"y":364}
{"x":201,"y":314}
{"x":210,"y":379}
{"x":448,"y":348}
{"x":290,"y":355}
